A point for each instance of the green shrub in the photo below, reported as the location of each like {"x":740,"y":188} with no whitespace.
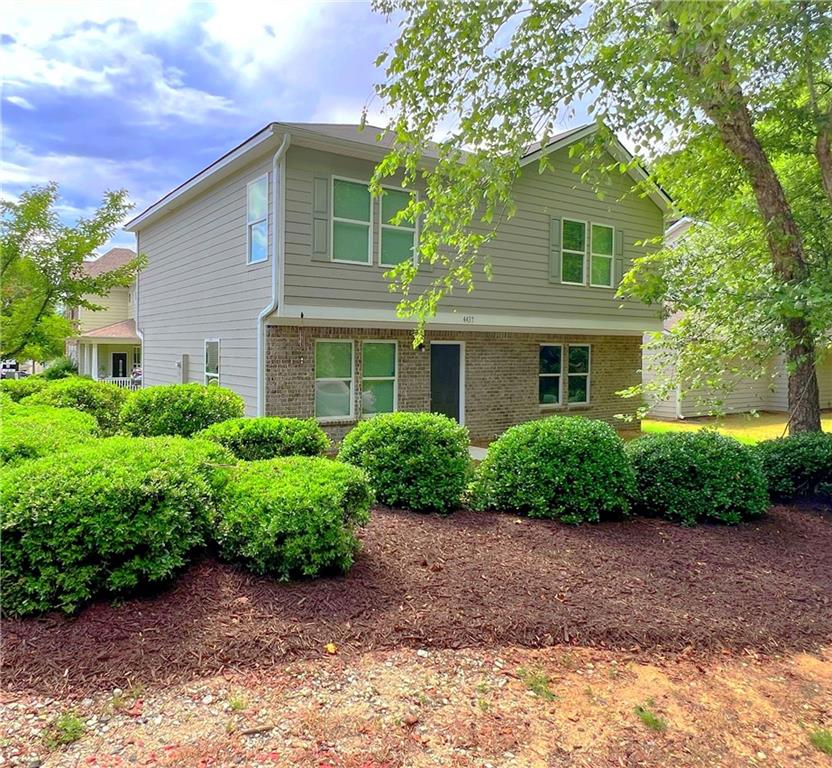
{"x":695,"y":476}
{"x":419,"y":461}
{"x":97,"y":398}
{"x":28,"y":432}
{"x":60,"y":368}
{"x":108,"y":517}
{"x":178,"y":409}
{"x":799,"y":465}
{"x":268,"y":437}
{"x":17,"y":389}
{"x":566,"y":468}
{"x":293,"y":516}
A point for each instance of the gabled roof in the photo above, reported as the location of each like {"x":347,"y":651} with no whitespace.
{"x":124,"y":331}
{"x":368,"y":142}
{"x":113,"y":259}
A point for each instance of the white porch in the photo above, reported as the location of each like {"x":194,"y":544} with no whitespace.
{"x":112,"y":354}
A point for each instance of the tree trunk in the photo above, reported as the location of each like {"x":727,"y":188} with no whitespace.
{"x":823,"y":152}
{"x":733,"y":121}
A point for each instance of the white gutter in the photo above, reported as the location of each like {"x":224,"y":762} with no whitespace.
{"x":278,"y":247}
{"x":139,"y":331}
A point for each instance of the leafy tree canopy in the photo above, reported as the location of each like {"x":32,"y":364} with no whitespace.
{"x":494,"y":76}
{"x":41,"y":270}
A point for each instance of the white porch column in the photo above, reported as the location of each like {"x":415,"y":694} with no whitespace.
{"x":82,"y":358}
{"x":95,"y":361}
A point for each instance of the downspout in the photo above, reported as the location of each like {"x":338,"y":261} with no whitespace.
{"x":278,"y":245}
{"x":139,"y":331}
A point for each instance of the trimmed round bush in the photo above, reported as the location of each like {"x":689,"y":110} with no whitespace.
{"x":419,"y":461}
{"x":798,"y":465}
{"x":107,"y":518}
{"x":178,"y":409}
{"x":97,"y":398}
{"x":565,"y":468}
{"x":294,"y":516}
{"x":268,"y":437}
{"x":28,"y":432}
{"x":690,"y":477}
{"x":17,"y":389}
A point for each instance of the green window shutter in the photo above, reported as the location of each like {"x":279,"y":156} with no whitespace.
{"x":554,"y":250}
{"x":619,"y":256}
{"x":320,"y":219}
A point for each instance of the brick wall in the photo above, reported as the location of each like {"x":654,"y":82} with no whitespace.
{"x":501,"y":374}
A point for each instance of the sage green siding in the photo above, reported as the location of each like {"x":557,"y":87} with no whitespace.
{"x":116,"y":307}
{"x":197,"y":285}
{"x":521,"y":284}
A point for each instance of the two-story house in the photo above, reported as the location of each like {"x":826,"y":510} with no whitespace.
{"x":107,"y":346}
{"x":265,"y":274}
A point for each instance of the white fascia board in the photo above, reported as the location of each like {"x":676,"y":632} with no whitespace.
{"x":462,"y":321}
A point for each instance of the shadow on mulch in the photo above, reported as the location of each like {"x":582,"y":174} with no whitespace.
{"x":459,"y":581}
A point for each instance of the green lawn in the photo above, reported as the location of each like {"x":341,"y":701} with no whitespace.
{"x":743,"y":426}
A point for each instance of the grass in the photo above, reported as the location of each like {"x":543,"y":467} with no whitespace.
{"x":65,"y":730}
{"x":237,"y":702}
{"x":822,"y":740}
{"x":650,"y":718}
{"x":745,"y":427}
{"x":537,"y":682}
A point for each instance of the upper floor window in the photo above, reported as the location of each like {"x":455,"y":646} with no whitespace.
{"x":398,"y":241}
{"x":378,"y":382}
{"x":352,"y":222}
{"x":257,"y":219}
{"x":573,"y":252}
{"x":600,"y":260}
{"x":212,"y":361}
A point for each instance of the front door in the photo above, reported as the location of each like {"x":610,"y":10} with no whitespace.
{"x":445,"y":379}
{"x":119,"y":365}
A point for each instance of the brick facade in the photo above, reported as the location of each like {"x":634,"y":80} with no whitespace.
{"x":501,"y":374}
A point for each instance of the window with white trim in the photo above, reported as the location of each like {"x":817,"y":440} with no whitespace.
{"x":137,"y":357}
{"x":600,"y":259}
{"x":397,"y":241}
{"x":550,"y":370}
{"x":212,"y":361}
{"x":573,"y":251}
{"x":352,"y":221}
{"x":378,"y":377}
{"x":257,"y":220}
{"x":333,"y":379}
{"x":577,"y":373}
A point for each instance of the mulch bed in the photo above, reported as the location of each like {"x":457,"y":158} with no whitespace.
{"x":465,"y":580}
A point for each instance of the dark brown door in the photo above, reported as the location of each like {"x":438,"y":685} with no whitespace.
{"x":445,"y":370}
{"x":119,"y":365}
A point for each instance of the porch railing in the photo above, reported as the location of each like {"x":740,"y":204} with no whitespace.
{"x":125,"y":382}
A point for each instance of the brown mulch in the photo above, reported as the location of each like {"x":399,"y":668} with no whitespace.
{"x":461,"y":581}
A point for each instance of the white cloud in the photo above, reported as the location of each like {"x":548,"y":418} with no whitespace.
{"x":19,"y":101}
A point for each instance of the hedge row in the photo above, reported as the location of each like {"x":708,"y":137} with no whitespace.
{"x":122,"y":514}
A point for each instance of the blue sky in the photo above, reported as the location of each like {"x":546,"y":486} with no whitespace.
{"x":141,"y":95}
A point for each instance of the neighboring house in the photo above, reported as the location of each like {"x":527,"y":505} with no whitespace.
{"x":265,"y":274}
{"x":769,"y":393}
{"x":107,"y":346}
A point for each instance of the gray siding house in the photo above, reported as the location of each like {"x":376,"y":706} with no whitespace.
{"x":265,"y":273}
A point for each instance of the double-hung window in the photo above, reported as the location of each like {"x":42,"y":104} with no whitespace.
{"x":577,"y":373}
{"x":378,"y":377}
{"x":333,"y":379}
{"x":550,"y":369}
{"x":600,"y":260}
{"x":398,"y":241}
{"x":257,"y":219}
{"x":352,"y":222}
{"x":573,"y":252}
{"x":212,"y":361}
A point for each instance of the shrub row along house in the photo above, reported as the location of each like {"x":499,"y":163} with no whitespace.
{"x":265,"y":273}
